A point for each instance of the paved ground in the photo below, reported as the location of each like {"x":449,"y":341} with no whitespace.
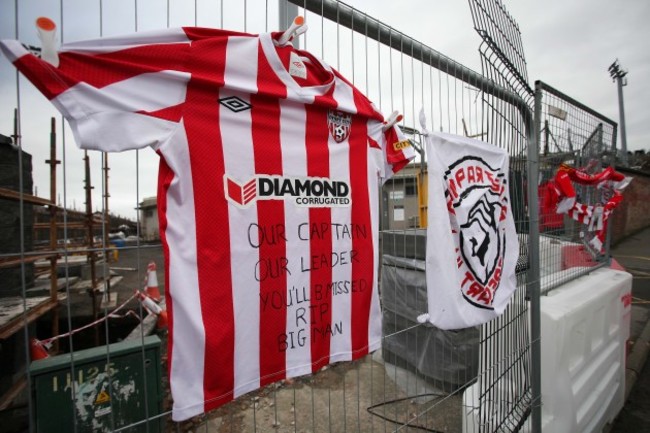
{"x":634,"y":254}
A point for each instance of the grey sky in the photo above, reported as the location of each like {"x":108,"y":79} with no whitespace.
{"x":568,"y":44}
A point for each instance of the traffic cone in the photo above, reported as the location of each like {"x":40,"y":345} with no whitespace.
{"x":36,"y":350}
{"x":162,"y":320}
{"x":152,"y":282}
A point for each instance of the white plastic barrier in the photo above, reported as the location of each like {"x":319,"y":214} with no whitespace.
{"x":550,"y":256}
{"x":585,"y":325}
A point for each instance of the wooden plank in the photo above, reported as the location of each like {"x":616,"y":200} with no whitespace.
{"x":28,"y":259}
{"x":69,"y":224}
{"x":10,"y":194}
{"x":13,"y":318}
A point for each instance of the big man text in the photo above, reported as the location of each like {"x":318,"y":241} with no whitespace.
{"x":310,"y":304}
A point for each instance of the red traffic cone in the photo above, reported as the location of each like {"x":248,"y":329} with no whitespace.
{"x":36,"y":350}
{"x":152,"y":282}
{"x":162,"y":320}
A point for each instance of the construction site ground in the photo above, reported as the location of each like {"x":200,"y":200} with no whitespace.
{"x":366,"y":395}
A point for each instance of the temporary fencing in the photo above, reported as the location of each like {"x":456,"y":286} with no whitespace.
{"x":481,"y":379}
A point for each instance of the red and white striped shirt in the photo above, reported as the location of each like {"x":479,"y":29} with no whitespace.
{"x":267,"y":197}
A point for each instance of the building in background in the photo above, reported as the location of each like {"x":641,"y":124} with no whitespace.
{"x":149,"y":219}
{"x":400,"y":199}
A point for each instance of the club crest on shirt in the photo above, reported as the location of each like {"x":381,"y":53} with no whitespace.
{"x":477,"y":204}
{"x":339,"y":125}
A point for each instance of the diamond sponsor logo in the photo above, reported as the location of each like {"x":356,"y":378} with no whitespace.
{"x":241,"y":194}
{"x":304,"y":192}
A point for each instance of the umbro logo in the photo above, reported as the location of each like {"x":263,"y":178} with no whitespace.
{"x":235,"y":104}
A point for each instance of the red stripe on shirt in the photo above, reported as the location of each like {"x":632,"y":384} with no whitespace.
{"x":202,"y":125}
{"x":362,"y":267}
{"x":265,"y":124}
{"x":165,"y":177}
{"x":100,"y":70}
{"x":320,"y":247}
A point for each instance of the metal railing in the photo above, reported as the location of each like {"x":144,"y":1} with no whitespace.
{"x":481,"y":379}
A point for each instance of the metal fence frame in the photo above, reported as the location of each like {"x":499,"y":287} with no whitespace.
{"x":515,"y":120}
{"x":361,"y":23}
{"x":577,"y":116}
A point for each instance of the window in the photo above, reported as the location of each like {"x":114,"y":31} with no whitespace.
{"x":410,"y":188}
{"x":398,"y":213}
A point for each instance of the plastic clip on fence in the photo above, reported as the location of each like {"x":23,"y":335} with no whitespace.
{"x":153,"y":308}
{"x":47,"y":34}
{"x":297,"y":28}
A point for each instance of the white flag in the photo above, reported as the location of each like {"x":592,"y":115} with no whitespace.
{"x":472,"y":244}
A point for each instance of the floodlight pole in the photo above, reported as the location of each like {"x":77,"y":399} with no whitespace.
{"x":618,"y":75}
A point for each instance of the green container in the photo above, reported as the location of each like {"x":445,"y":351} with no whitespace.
{"x":114,"y":386}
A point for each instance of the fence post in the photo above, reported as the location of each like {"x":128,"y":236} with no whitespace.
{"x":533,"y":270}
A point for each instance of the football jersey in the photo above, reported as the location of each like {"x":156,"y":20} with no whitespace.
{"x":470,"y":267}
{"x":267,"y":195}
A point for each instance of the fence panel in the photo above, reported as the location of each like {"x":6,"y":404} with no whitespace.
{"x":475,"y":380}
{"x":571,"y":135}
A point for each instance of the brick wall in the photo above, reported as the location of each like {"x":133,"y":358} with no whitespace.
{"x":633,"y":214}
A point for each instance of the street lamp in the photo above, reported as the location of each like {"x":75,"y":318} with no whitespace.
{"x":618,"y":75}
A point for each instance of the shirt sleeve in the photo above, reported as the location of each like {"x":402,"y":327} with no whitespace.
{"x":116,"y":93}
{"x":398,"y":151}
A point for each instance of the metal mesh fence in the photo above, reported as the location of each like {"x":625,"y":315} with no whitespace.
{"x":571,"y":135}
{"x":423,"y":378}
